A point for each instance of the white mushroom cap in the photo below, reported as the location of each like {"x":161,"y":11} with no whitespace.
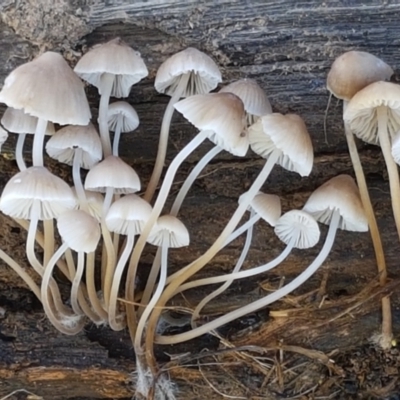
{"x":128,"y":215}
{"x":289,"y":135}
{"x":268,"y":206}
{"x":36,"y":184}
{"x":79,"y":230}
{"x":94,"y":201}
{"x":204,"y":77}
{"x":339,"y":193}
{"x":300,"y":226}
{"x":114,"y":57}
{"x":47,"y":88}
{"x":121,"y":110}
{"x":16,"y":121}
{"x":64,"y":143}
{"x":222,"y":115}
{"x":170,"y":229}
{"x":396,"y":148}
{"x":353,"y":71}
{"x":255,"y":100}
{"x":3,"y":136}
{"x":361,"y":113}
{"x":114,"y":173}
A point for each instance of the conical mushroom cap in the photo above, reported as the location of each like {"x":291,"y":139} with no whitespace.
{"x":123,"y":111}
{"x":300,"y":226}
{"x":79,"y":230}
{"x":339,"y":193}
{"x":128,"y":215}
{"x":114,"y":173}
{"x":222,"y":115}
{"x":255,"y":100}
{"x":289,"y":135}
{"x":204,"y":76}
{"x":64,"y":143}
{"x":36,"y":184}
{"x":170,"y":229}
{"x":114,"y":57}
{"x":361,"y":114}
{"x":47,"y":88}
{"x":353,"y":71}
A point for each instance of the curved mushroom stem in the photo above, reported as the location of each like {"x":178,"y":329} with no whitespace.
{"x":19,"y":152}
{"x":117,"y":137}
{"x":161,"y":283}
{"x":158,"y":206}
{"x":192,"y":177}
{"x":164,"y":134}
{"x":49,"y":241}
{"x":198,"y":264}
{"x":256,"y":305}
{"x":112,"y":306}
{"x":111,"y":260}
{"x":76,"y":281}
{"x":68,"y":323}
{"x":373,"y":226}
{"x":77,"y":179}
{"x":107,"y":81}
{"x":38,"y":139}
{"x":238,"y":266}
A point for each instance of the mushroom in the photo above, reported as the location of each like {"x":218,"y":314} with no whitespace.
{"x":112,"y":67}
{"x":122,"y":118}
{"x":184,"y":74}
{"x":16,"y":121}
{"x":3,"y":136}
{"x":48,"y":89}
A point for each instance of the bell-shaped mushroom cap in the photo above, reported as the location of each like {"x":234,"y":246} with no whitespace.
{"x":64,"y":143}
{"x":268,"y":206}
{"x":396,"y":148}
{"x":114,"y":57}
{"x":123,"y":111}
{"x":339,"y":193}
{"x":169,"y":230}
{"x":204,"y":77}
{"x":3,"y":136}
{"x":79,"y":230}
{"x":114,"y":173}
{"x":94,"y":201}
{"x":361,"y":114}
{"x":16,"y":121}
{"x":299,"y":226}
{"x":289,"y":135}
{"x":353,"y":71}
{"x":36,"y":184}
{"x":47,"y":88}
{"x":222,"y":115}
{"x":128,"y":215}
{"x":255,"y":100}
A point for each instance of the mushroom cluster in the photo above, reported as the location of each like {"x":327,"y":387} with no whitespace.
{"x":91,"y":215}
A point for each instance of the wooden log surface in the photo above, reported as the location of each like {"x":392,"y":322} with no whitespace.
{"x":288,"y":47}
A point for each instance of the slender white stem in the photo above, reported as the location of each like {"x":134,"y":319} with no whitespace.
{"x":256,"y":305}
{"x":76,"y":282}
{"x":117,"y":136}
{"x":111,"y":262}
{"x":192,"y":177}
{"x":107,"y":81}
{"x":112,"y":306}
{"x":108,"y":198}
{"x":156,"y":296}
{"x":19,"y":152}
{"x":38,"y":139}
{"x":76,"y":176}
{"x":164,"y":134}
{"x":49,"y":241}
{"x":238,"y":266}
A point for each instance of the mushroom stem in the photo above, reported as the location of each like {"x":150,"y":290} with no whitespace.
{"x":192,"y":177}
{"x":48,"y":229}
{"x":117,"y":137}
{"x":162,"y":196}
{"x":76,"y":176}
{"x":76,"y":281}
{"x":112,"y":305}
{"x":154,"y":299}
{"x":107,"y":81}
{"x":238,"y":266}
{"x":198,"y":264}
{"x":91,"y":287}
{"x":256,"y":305}
{"x":111,"y":259}
{"x":19,"y":151}
{"x":38,"y":139}
{"x":67,"y":324}
{"x":164,"y":134}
